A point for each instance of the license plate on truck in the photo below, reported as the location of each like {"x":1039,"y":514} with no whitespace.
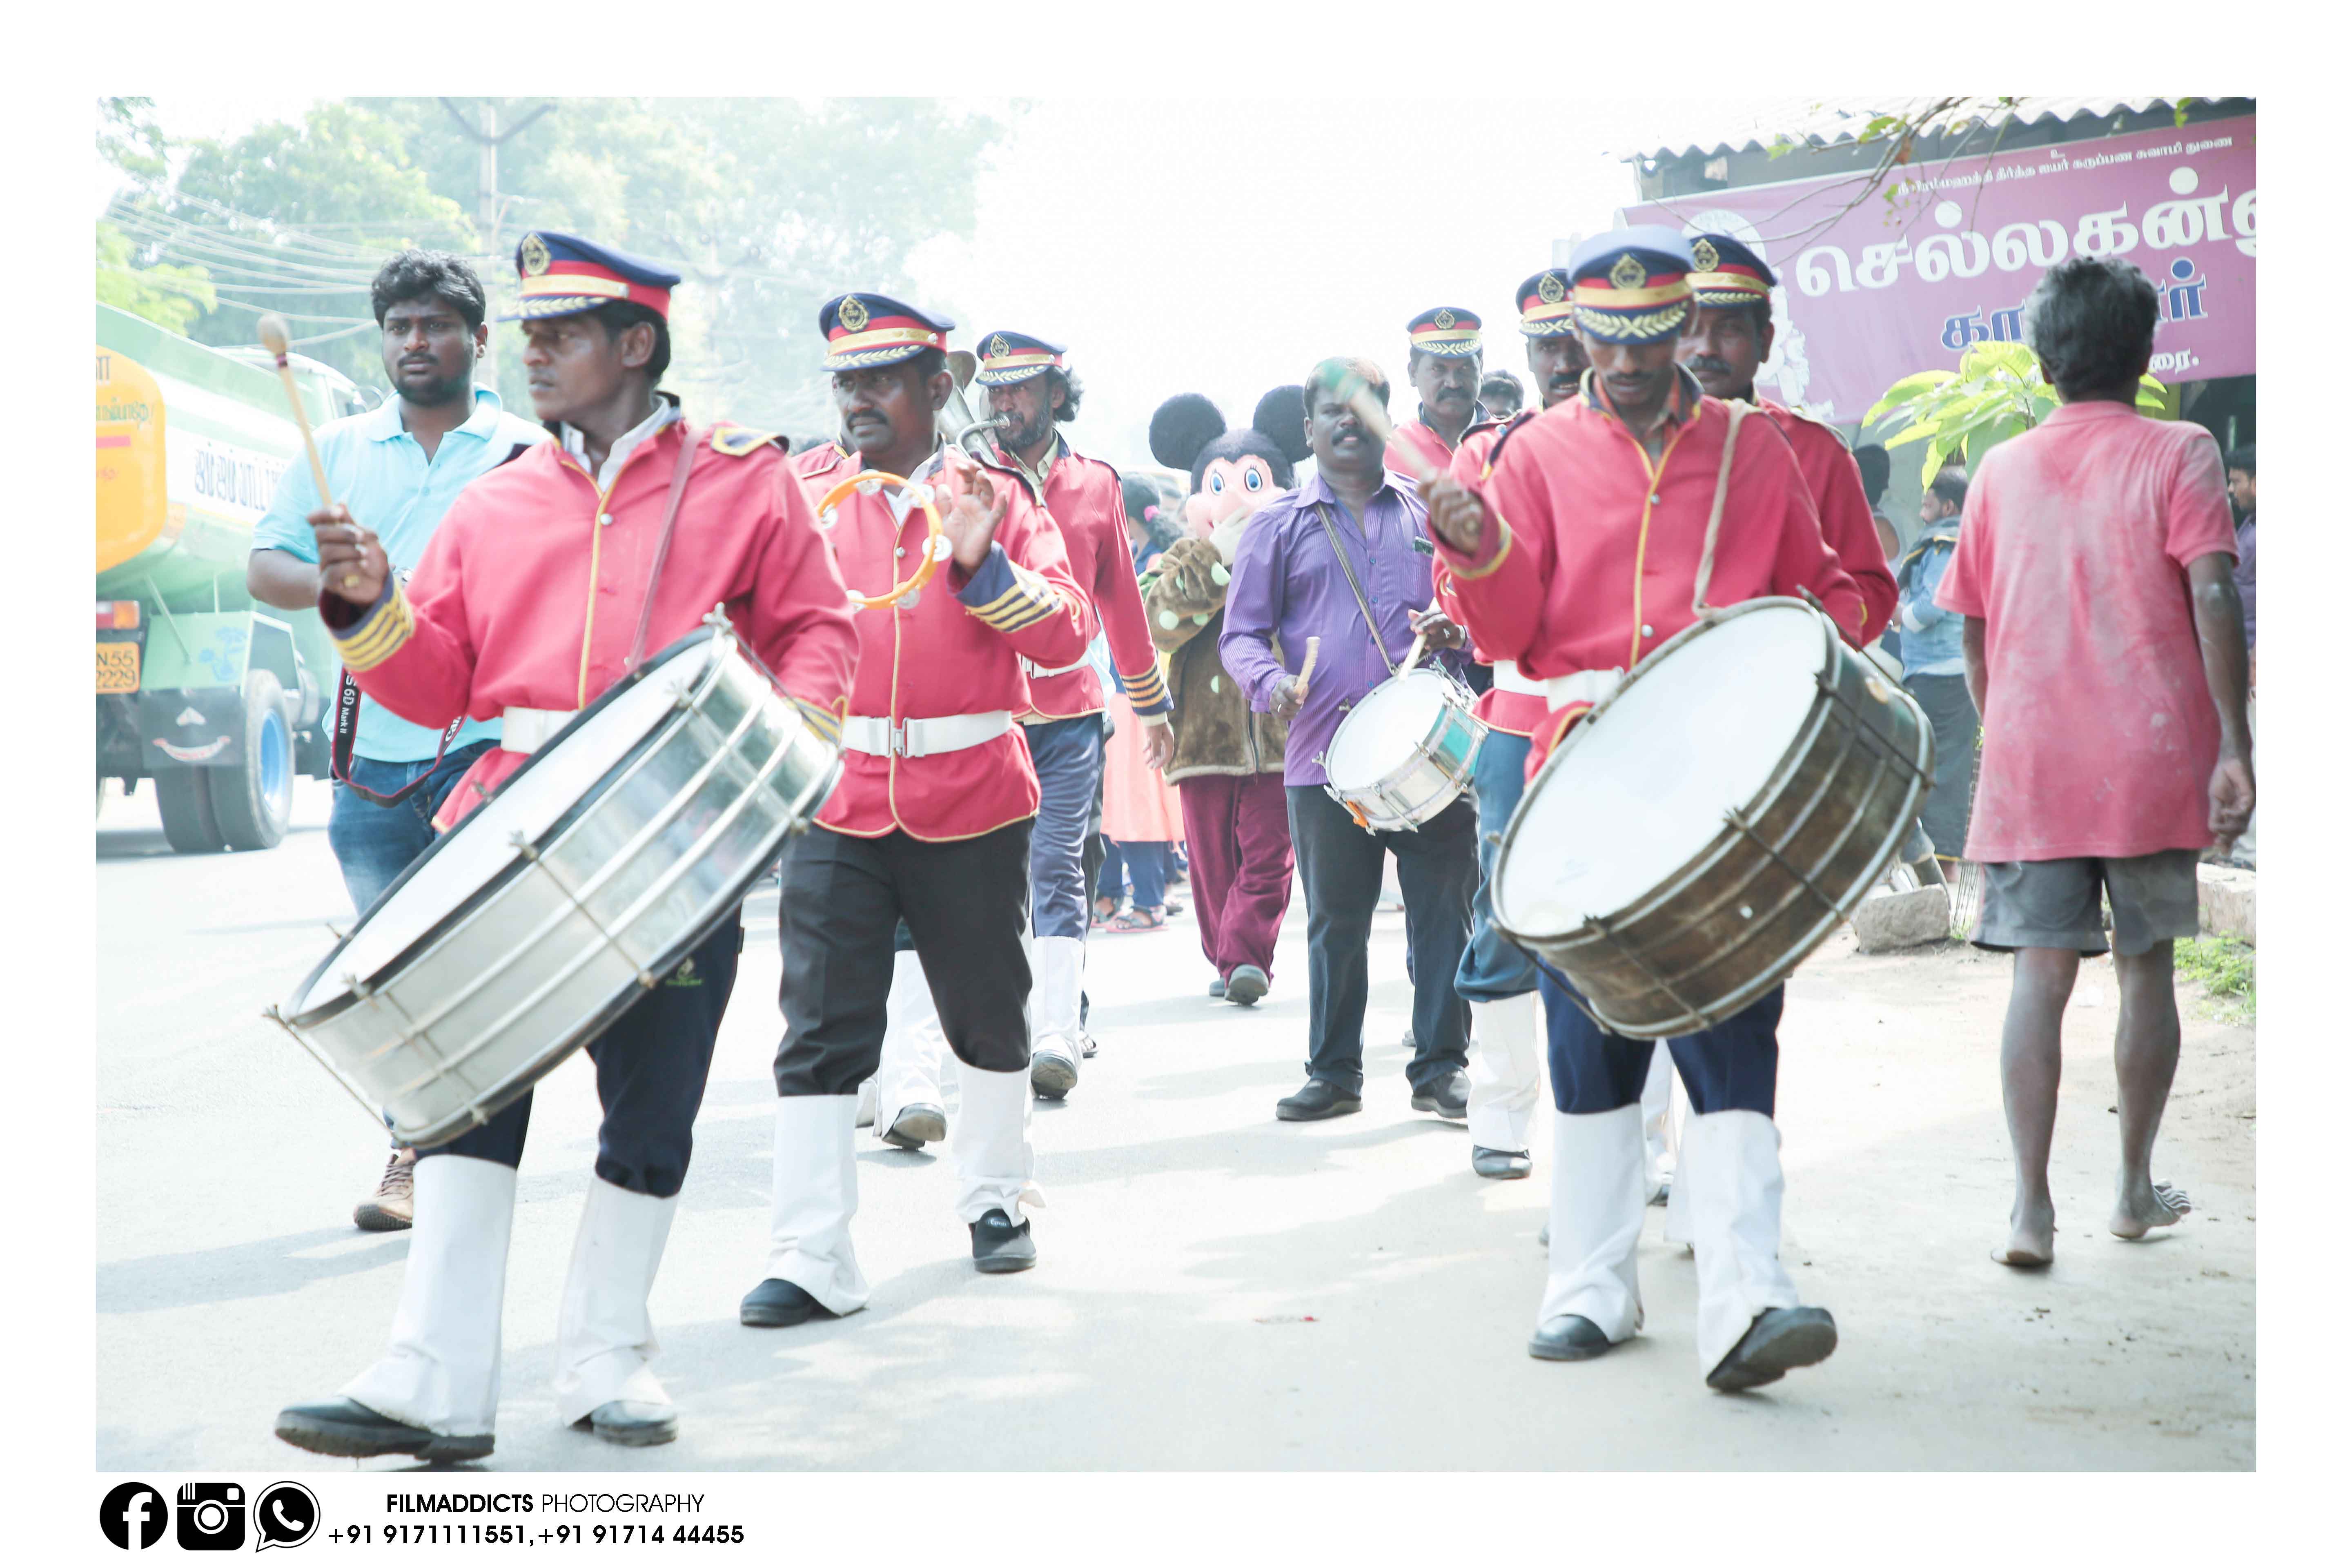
{"x":118,"y":666}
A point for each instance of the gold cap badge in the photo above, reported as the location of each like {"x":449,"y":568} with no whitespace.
{"x":1442,"y":320}
{"x":852,"y":314}
{"x":1703,"y":254}
{"x":1552,"y":290}
{"x":998,"y":348}
{"x":533,"y":255}
{"x":1628,"y":273}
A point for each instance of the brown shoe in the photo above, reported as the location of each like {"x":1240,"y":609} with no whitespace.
{"x":393,"y":1207}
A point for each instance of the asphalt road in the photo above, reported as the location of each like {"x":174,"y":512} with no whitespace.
{"x":1216,"y":1290}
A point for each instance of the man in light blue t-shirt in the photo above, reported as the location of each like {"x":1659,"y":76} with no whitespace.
{"x":398,"y":467}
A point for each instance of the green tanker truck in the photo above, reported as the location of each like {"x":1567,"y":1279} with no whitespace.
{"x":218,"y":700}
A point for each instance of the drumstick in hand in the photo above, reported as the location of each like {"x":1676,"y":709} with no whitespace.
{"x":1307,"y":665}
{"x":1358,"y":395}
{"x":273,"y":339}
{"x":1420,"y":640}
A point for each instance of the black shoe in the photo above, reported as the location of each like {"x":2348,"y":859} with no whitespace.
{"x":916,"y":1126}
{"x":1501,"y":1164}
{"x":1246,"y":986}
{"x":1781,"y":1340}
{"x":1052,"y":1072}
{"x":1000,"y":1247}
{"x":1318,"y":1100}
{"x":1217,"y":989}
{"x":348,"y":1430}
{"x":1568,"y":1338}
{"x":780,"y":1304}
{"x":1449,"y":1096}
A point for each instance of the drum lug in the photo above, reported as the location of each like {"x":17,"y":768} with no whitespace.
{"x":530,"y":853}
{"x":1736,"y":820}
{"x":1707,"y":1020}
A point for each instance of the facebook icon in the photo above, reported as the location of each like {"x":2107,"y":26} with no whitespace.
{"x":133,"y":1516}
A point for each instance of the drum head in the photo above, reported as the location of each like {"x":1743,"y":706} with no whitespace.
{"x":1632,"y":797}
{"x":480,"y":848}
{"x":1378,"y":734}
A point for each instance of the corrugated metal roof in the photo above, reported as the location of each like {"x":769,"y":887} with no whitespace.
{"x":1826,"y":123}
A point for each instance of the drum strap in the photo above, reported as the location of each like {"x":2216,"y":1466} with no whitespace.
{"x":347,"y":728}
{"x":1348,"y":571}
{"x":1699,"y":606}
{"x":688,"y":441}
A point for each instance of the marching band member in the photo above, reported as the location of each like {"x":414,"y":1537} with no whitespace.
{"x":1581,"y":553}
{"x":526,"y":607}
{"x":1495,"y":977}
{"x":930,"y":823}
{"x":1730,"y":337}
{"x":1340,"y":559}
{"x":1032,"y":390}
{"x":1444,"y":359}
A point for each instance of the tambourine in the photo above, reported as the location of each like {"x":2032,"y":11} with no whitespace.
{"x":935,"y":550}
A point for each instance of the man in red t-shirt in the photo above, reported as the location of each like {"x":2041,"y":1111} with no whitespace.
{"x":2105,"y":647}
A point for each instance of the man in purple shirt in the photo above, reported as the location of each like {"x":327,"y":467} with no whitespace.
{"x":1290,"y":585}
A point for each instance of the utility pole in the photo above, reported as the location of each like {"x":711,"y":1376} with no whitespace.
{"x":489,"y":139}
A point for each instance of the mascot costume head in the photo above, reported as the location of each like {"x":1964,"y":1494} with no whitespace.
{"x":1234,"y":472}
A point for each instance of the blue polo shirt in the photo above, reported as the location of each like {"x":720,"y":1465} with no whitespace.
{"x":379,"y":471}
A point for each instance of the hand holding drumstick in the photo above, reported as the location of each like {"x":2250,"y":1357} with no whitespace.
{"x":352,"y":561}
{"x":1456,"y":515}
{"x":1290,"y":691}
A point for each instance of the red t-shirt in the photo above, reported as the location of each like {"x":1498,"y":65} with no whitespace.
{"x":2099,"y":735}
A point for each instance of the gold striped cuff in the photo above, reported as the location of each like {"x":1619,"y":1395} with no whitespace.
{"x":1145,"y":690}
{"x":1029,"y":600}
{"x":379,"y":635}
{"x":826,"y":721}
{"x":1502,"y":550}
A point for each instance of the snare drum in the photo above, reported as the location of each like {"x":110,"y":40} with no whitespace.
{"x":1715,"y":819}
{"x":1405,"y":752}
{"x":570,"y":892}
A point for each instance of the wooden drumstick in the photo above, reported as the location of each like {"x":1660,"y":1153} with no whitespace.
{"x":1412,"y":657}
{"x":1307,"y":665}
{"x":1358,"y":395}
{"x":272,"y":330}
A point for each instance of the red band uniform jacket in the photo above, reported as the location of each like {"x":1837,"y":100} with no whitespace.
{"x":956,"y":649}
{"x":1084,"y":496}
{"x":1513,"y":712}
{"x":1834,"y":480}
{"x":1589,"y":552}
{"x":531,"y":593}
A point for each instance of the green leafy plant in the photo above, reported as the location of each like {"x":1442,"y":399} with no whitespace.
{"x":2225,"y":967}
{"x":1997,"y":393}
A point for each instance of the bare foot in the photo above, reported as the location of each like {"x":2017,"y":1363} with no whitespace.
{"x":2033,"y":1238}
{"x":2138,"y":1213}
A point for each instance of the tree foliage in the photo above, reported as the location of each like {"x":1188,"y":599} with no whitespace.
{"x":169,"y":295}
{"x":1997,"y":393}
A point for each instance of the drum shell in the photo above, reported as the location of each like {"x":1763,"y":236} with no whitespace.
{"x":1734,"y":921}
{"x":522,"y":974}
{"x":1432,"y":778}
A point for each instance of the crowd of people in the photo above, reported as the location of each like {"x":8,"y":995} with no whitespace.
{"x":1100,"y":693}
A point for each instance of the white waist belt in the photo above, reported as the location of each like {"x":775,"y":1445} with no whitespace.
{"x":1033,"y":669}
{"x":1592,"y":686}
{"x":525,"y":730}
{"x":923,"y":737}
{"x":1508,"y":679}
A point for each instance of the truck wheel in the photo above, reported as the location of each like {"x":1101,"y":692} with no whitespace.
{"x":253,"y":800}
{"x":185,"y":798}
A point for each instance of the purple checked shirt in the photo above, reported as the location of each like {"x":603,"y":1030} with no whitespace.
{"x":1287,"y":586}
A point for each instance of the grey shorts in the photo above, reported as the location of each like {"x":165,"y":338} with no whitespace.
{"x":2055,"y":903}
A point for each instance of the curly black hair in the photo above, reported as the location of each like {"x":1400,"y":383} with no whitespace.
{"x":2092,"y":321}
{"x":1072,"y":390}
{"x":433,"y":274}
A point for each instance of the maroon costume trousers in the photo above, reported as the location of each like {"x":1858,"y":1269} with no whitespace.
{"x":1238,"y":832}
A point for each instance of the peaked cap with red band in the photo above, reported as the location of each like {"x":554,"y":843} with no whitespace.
{"x":864,"y":331}
{"x":1724,"y":271}
{"x":564,"y":275}
{"x":1632,"y":285}
{"x":1009,"y":357}
{"x":1545,"y":309}
{"x":1446,"y":331}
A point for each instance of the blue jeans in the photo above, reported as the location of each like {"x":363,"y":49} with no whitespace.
{"x":1143,"y":866}
{"x":373,"y":844}
{"x":1069,"y":756}
{"x":1492,"y":967}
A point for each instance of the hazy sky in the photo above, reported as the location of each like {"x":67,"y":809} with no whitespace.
{"x":1223,"y":249}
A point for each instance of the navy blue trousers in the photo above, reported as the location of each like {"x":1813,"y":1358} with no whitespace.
{"x":1069,"y":756}
{"x":651,"y":1066}
{"x":1732,"y":1066}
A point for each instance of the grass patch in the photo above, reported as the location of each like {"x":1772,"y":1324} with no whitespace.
{"x":2225,"y":967}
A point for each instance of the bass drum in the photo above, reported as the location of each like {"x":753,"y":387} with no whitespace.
{"x":1713,"y":821}
{"x":573,"y":891}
